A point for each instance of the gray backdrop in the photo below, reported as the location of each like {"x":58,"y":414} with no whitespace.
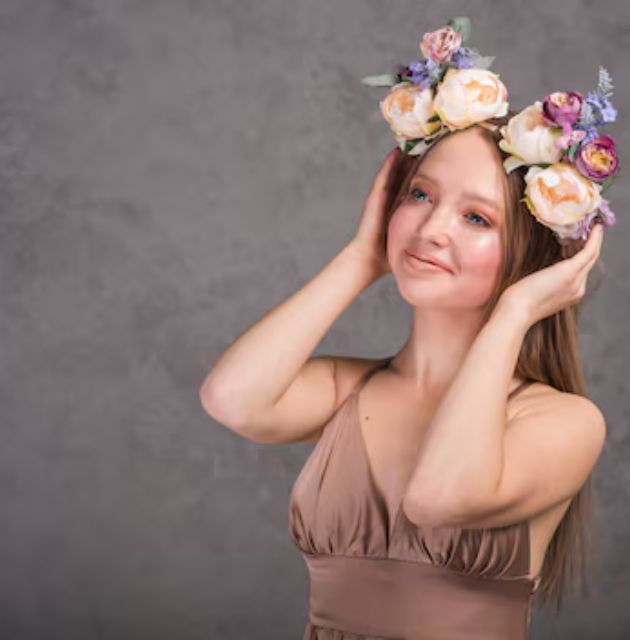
{"x":169,"y":172}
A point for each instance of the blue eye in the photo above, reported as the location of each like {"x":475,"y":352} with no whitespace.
{"x":417,"y":189}
{"x":485,"y":222}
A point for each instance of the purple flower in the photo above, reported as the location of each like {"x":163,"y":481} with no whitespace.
{"x":462,"y":58}
{"x":604,"y":111}
{"x":562,"y":109}
{"x":597,"y":158}
{"x":591,"y":131}
{"x":581,"y":229}
{"x":607,"y":215}
{"x":424,"y":72}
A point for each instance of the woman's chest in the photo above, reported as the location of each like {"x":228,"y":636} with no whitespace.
{"x":392,"y":439}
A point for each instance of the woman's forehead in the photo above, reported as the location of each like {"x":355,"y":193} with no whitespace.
{"x":469,"y":149}
{"x":467,"y":165}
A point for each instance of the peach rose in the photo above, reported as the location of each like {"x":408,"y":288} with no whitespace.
{"x":467,"y":96}
{"x":529,"y":139}
{"x":559,"y":196}
{"x":407,"y":109}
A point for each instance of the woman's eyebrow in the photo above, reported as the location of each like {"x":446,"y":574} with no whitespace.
{"x":468,"y":194}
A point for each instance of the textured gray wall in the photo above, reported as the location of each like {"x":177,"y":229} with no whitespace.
{"x":170,"y":171}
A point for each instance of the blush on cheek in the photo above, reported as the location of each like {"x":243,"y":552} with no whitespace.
{"x":481,"y":262}
{"x":400,"y":228}
{"x":397,"y":222}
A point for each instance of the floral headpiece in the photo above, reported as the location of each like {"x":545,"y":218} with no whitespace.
{"x":450,"y":89}
{"x":571,"y":164}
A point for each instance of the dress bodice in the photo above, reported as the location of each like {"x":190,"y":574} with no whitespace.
{"x":376,"y":574}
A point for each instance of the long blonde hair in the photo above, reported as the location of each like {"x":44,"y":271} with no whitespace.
{"x":549,"y":353}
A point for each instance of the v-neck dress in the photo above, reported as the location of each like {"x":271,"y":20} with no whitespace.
{"x":374,"y":576}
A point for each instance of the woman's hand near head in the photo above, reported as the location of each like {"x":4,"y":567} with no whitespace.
{"x":368,"y":241}
{"x":561,"y":285}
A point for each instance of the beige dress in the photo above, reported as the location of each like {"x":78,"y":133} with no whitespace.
{"x":377,"y":575}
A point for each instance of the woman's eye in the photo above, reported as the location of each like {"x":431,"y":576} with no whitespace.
{"x":484,"y":222}
{"x":417,"y":189}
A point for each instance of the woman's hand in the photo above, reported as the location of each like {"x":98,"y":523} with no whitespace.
{"x":369,"y":236}
{"x":553,"y":288}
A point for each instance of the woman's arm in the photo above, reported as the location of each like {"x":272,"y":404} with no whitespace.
{"x":251,"y":377}
{"x":258,"y":368}
{"x":462,"y":455}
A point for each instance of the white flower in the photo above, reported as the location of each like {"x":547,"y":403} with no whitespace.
{"x":559,"y":196}
{"x":470,"y":95}
{"x":529,"y":140}
{"x":407,"y":109}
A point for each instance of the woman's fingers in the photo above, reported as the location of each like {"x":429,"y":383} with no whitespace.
{"x":593,"y":246}
{"x":586,"y":256}
{"x":380,"y":181}
{"x":377,"y":194}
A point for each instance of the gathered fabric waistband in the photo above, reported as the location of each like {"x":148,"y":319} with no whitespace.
{"x":414,"y":600}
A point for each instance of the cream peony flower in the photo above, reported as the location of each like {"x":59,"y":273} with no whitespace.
{"x":529,"y":140}
{"x":470,"y":95}
{"x":407,"y":109}
{"x":559,"y":196}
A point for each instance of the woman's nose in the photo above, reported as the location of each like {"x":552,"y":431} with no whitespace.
{"x":437,"y":225}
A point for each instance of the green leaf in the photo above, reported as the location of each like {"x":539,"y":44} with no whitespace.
{"x":604,"y":84}
{"x":461,"y":24}
{"x":409,"y":145}
{"x":609,"y":181}
{"x":384,"y":80}
{"x":604,"y":185}
{"x":483,"y":62}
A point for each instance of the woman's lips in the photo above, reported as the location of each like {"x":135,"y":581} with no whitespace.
{"x":423,"y":265}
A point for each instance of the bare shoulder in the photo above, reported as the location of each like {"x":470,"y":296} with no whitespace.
{"x":309,"y":406}
{"x":544,"y":399}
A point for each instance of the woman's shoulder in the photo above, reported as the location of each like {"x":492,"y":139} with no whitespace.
{"x":542,"y":397}
{"x":349,"y":370}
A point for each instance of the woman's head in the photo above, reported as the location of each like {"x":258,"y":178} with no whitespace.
{"x":434,"y":208}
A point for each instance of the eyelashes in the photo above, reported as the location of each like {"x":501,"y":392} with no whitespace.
{"x":484,"y":223}
{"x":417,"y":189}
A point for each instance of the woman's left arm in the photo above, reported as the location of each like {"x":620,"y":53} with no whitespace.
{"x":461,"y":462}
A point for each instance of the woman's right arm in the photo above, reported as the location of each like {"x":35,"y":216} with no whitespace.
{"x":265,"y":386}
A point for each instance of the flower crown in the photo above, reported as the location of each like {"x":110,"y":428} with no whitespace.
{"x":570,"y":163}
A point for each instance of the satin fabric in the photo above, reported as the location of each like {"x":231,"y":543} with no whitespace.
{"x":373,"y":574}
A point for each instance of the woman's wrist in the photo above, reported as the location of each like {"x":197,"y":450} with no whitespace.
{"x":367,"y":266}
{"x":514,"y":312}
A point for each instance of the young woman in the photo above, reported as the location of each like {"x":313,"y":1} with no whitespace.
{"x":470,"y":447}
{"x":447,"y":482}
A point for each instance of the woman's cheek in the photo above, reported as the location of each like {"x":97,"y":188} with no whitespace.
{"x":482,"y":259}
{"x":400,"y":227}
{"x":397,"y":222}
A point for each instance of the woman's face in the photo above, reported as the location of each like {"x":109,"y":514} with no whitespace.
{"x":443,"y":214}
